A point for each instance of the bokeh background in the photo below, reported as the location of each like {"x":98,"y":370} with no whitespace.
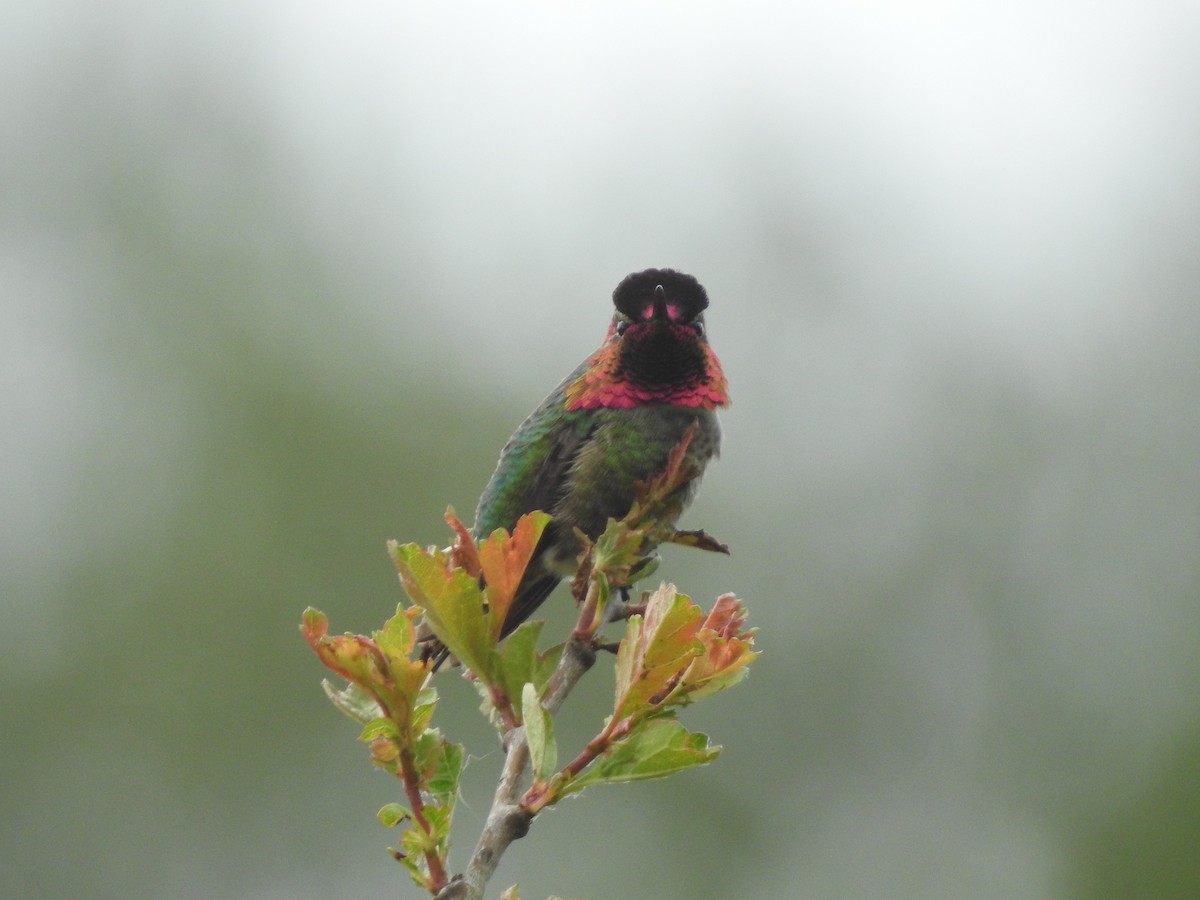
{"x":277,"y":281}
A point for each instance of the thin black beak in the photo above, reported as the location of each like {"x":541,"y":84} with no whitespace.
{"x":660,"y":303}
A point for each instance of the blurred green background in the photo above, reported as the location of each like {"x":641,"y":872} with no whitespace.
{"x":279,"y":280}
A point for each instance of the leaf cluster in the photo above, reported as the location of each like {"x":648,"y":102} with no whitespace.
{"x":672,"y":654}
{"x":387,"y":694}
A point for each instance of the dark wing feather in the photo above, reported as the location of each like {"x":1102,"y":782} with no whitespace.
{"x":530,"y":595}
{"x":546,"y":490}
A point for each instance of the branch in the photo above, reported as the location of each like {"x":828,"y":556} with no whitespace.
{"x":412,"y":789}
{"x":507,"y":820}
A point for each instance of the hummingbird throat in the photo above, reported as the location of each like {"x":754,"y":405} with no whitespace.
{"x":657,"y":368}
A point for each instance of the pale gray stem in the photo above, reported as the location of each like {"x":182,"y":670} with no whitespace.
{"x":507,"y":820}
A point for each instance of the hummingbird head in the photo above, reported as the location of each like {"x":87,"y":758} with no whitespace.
{"x":660,"y":297}
{"x":656,"y":351}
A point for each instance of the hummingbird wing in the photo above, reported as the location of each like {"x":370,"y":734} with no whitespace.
{"x":535,"y":463}
{"x":531,"y":593}
{"x":533,"y":473}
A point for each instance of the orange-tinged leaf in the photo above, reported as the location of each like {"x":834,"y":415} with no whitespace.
{"x":675,"y":460}
{"x":676,"y":654}
{"x":385,"y":680}
{"x":657,"y":648}
{"x":701,"y":540}
{"x":673,"y":471}
{"x":503,"y":559}
{"x":314,"y":625}
{"x":354,"y":657}
{"x":463,"y":552}
{"x":728,"y":649}
{"x":384,"y":750}
{"x":727,"y":617}
{"x":654,"y":496}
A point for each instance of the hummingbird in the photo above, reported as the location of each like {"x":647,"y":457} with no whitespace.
{"x":609,"y":424}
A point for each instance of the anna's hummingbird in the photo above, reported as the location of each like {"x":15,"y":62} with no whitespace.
{"x":610,"y":423}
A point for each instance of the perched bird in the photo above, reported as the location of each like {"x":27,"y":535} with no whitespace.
{"x":610,"y":423}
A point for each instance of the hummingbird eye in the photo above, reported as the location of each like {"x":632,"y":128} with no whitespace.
{"x":621,"y":325}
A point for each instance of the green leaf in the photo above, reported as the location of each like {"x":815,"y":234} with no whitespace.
{"x":438,"y":816}
{"x":451,"y":601}
{"x":519,"y":658}
{"x":393,"y":814}
{"x":539,"y":734}
{"x":439,"y":763}
{"x":547,"y":662}
{"x":656,"y":748}
{"x":397,"y":641}
{"x":715,"y":684}
{"x":353,"y":700}
{"x":443,"y":784}
{"x":380,"y":727}
{"x":645,"y":567}
{"x":412,"y":865}
{"x":396,"y":637}
{"x":423,"y":709}
{"x":617,"y":551}
{"x":518,"y":663}
{"x":416,"y":843}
